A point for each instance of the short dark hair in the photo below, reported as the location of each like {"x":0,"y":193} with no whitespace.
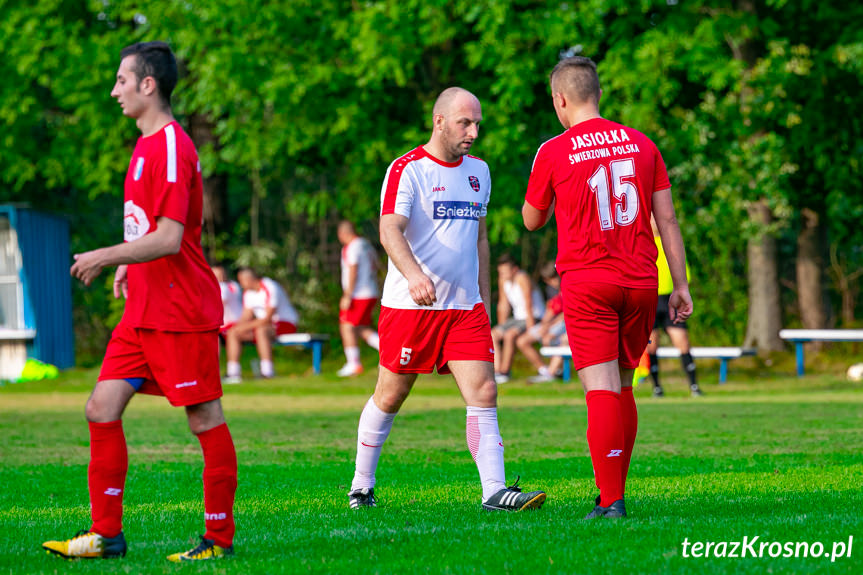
{"x":577,"y":78}
{"x":243,"y":269}
{"x":154,"y":59}
{"x":506,"y":260}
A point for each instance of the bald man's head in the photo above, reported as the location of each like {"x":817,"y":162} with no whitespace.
{"x":456,"y":116}
{"x":452,"y":96}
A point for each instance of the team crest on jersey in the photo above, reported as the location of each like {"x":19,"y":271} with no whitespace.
{"x":139,"y":169}
{"x":474,"y":183}
{"x":135,"y":221}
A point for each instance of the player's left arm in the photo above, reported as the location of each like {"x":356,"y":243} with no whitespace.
{"x":680,"y":301}
{"x":165,"y":240}
{"x":484,"y":259}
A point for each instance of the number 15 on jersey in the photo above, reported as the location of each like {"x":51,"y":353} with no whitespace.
{"x":624,"y":190}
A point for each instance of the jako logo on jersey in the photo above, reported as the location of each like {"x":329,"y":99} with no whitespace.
{"x":457,"y":210}
{"x":614,"y":453}
{"x":215,"y":516}
{"x":186,"y":384}
{"x":439,"y":189}
{"x":135,"y":221}
{"x":113,"y":491}
{"x":474,"y":183}
{"x":139,"y":169}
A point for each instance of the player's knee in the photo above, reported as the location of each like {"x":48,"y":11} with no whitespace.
{"x":97,"y":411}
{"x":486,"y":394}
{"x":390,"y":401}
{"x":511,"y":336}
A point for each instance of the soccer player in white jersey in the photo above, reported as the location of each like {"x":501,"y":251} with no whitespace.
{"x":359,"y":296}
{"x":435,"y":305}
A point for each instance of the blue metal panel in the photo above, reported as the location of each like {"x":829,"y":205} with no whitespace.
{"x":44,"y":243}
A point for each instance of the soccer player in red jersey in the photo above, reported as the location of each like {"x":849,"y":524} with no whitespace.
{"x":603,"y":180}
{"x":435,"y":304}
{"x":167,"y":342}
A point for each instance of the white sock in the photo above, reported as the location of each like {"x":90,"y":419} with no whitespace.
{"x":373,"y":430}
{"x":267,"y":368}
{"x":234,"y":369}
{"x":374,"y":341}
{"x":353,"y":355}
{"x":486,"y":447}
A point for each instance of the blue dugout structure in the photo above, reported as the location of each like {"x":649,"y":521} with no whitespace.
{"x":35,"y":286}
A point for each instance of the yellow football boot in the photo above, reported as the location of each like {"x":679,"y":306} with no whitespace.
{"x":206,"y":549}
{"x":88,"y":545}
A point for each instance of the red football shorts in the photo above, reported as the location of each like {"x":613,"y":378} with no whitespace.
{"x":284,"y":328}
{"x":184,"y":367}
{"x":606,"y":322}
{"x":418,"y":340}
{"x":359,"y":313}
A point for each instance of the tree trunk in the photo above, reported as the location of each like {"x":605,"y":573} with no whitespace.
{"x":810,"y":289}
{"x":765,"y":313}
{"x":215,"y":185}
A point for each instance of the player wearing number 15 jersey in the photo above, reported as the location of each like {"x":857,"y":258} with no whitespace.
{"x":603,"y":180}
{"x":434,"y":310}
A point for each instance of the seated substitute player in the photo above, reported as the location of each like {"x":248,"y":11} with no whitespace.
{"x":232,"y":298}
{"x":359,"y":296}
{"x":548,"y":331}
{"x":267,"y":314}
{"x":167,"y":342}
{"x":517,"y":295}
{"x":603,"y":180}
{"x":677,"y":332}
{"x":435,"y":305}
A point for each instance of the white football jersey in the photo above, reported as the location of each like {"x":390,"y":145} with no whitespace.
{"x":270,"y":295}
{"x":359,"y":252}
{"x":232,"y":301}
{"x":443,"y":203}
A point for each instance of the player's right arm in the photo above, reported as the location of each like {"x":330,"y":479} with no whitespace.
{"x":165,"y":240}
{"x":421,"y":287}
{"x":680,"y":301}
{"x":539,"y":200}
{"x":347,"y":294}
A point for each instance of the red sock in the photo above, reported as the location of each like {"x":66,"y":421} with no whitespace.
{"x":220,"y":484}
{"x":109,"y":462}
{"x":605,"y":439}
{"x":629,"y":414}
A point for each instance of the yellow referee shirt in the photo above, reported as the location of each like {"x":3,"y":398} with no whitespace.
{"x":666,"y":285}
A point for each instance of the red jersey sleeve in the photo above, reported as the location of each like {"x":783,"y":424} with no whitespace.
{"x":540,"y":191}
{"x":660,"y":173}
{"x":173,"y":175}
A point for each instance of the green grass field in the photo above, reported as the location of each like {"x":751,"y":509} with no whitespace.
{"x":766,"y":455}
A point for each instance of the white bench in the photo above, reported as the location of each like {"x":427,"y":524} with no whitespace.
{"x":13,"y":351}
{"x":800,"y":336}
{"x":723,"y":354}
{"x":315,"y":341}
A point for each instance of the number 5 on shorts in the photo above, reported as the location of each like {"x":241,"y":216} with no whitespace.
{"x":406,"y":355}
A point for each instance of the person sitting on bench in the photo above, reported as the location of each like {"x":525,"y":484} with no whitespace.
{"x":267,"y":313}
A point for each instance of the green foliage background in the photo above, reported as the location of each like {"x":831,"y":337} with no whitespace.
{"x":309,"y":101}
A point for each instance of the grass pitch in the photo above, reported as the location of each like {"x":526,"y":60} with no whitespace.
{"x":766,"y":455}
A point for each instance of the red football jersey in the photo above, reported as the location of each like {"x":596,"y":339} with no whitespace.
{"x":176,"y":293}
{"x":601,"y":176}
